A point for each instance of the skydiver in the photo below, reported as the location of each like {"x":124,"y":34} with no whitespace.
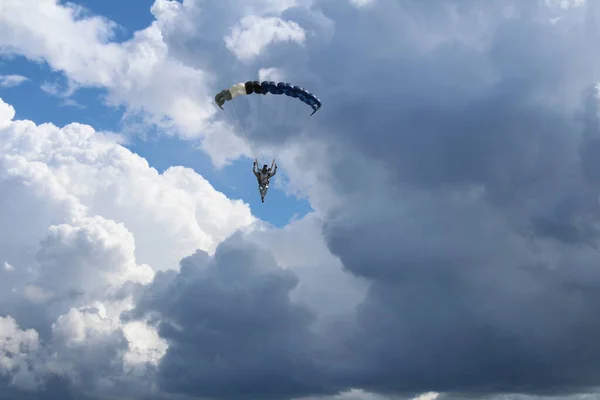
{"x":263,"y":176}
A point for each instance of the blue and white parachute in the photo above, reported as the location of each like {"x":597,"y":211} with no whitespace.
{"x":255,"y":87}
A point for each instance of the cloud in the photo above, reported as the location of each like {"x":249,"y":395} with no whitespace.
{"x":357,"y":394}
{"x":353,"y":394}
{"x":231,"y":328}
{"x":58,"y":173}
{"x":55,"y":89}
{"x":253,"y":34}
{"x":270,"y":74}
{"x":79,"y":257}
{"x":427,"y":396}
{"x":463,"y":198}
{"x":87,"y":259}
{"x":361,"y":3}
{"x":9,"y":81}
{"x":18,"y":351}
{"x":323,"y":284}
{"x":7,"y":113}
{"x":91,"y":343}
{"x":70,"y":163}
{"x":50,"y":88}
{"x":137,"y":73}
{"x":566,"y":3}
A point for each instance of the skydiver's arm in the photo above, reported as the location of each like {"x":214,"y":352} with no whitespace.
{"x":273,"y":172}
{"x":255,"y":168}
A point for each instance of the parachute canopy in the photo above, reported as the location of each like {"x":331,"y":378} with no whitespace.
{"x":255,"y":87}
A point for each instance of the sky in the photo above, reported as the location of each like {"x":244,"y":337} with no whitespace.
{"x":432,"y":232}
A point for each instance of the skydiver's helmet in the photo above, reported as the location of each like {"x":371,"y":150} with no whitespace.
{"x":265,"y":169}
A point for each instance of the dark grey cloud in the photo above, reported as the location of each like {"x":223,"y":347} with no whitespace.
{"x":55,"y":388}
{"x":232,"y":330}
{"x":482,"y":245}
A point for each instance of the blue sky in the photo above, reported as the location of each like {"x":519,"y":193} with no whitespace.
{"x":162,"y":151}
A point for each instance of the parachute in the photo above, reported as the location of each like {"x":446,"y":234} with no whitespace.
{"x":271,"y":114}
{"x":268,"y":87}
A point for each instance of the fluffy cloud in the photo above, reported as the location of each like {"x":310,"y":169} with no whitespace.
{"x":566,"y":3}
{"x":71,"y":214}
{"x":85,"y":170}
{"x":138,"y":73}
{"x":18,"y":354}
{"x":253,"y":34}
{"x":231,"y":328}
{"x":323,"y":284}
{"x":85,"y":173}
{"x":357,"y":394}
{"x":361,"y":3}
{"x":270,"y":74}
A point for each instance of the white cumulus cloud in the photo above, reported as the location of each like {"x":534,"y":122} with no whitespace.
{"x":271,"y":74}
{"x":19,"y":355}
{"x":253,"y":34}
{"x":361,"y":3}
{"x":138,"y":73}
{"x":90,"y":221}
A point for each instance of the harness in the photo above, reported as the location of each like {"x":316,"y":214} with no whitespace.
{"x":266,"y":180}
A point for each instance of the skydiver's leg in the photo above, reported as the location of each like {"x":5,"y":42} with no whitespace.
{"x":263,"y":192}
